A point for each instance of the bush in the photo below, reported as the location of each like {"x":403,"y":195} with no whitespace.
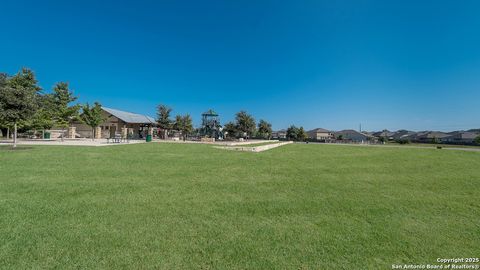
{"x":477,"y":140}
{"x":402,"y":141}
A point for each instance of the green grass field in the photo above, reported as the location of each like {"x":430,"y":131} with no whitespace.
{"x":434,"y":145}
{"x":178,"y":206}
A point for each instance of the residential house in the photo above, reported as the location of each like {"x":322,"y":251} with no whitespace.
{"x":320,"y":134}
{"x":403,"y":134}
{"x":280,"y":134}
{"x":353,"y":136}
{"x":384,"y":134}
{"x":460,"y":137}
{"x":428,"y":136}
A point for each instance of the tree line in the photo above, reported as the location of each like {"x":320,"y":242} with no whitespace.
{"x":296,"y":134}
{"x":24,"y":105}
{"x":182,"y":123}
{"x":244,"y":125}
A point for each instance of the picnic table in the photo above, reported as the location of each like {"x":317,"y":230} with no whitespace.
{"x":115,"y":139}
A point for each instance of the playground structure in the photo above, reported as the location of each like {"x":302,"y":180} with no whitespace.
{"x":211,"y":127}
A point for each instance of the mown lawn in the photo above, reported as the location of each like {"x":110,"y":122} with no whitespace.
{"x":180,"y":206}
{"x":434,"y":145}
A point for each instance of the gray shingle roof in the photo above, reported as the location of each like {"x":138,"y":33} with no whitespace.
{"x":462,"y":135}
{"x":351,"y":132}
{"x":321,"y":130}
{"x":129,"y":117}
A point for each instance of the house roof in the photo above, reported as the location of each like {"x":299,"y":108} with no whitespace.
{"x":129,"y":117}
{"x":434,"y":134}
{"x":463,"y":135}
{"x":351,"y":132}
{"x":403,"y":134}
{"x":383,"y":133}
{"x":321,"y":130}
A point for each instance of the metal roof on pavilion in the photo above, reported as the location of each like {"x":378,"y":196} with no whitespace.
{"x":210,"y":113}
{"x":129,"y":117}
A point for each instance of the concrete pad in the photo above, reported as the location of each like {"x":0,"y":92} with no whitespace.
{"x":221,"y":143}
{"x":70,"y":142}
{"x":254,"y":149}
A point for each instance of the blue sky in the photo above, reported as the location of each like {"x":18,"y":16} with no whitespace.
{"x":331,"y":64}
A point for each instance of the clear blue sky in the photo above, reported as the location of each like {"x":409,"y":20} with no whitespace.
{"x":331,"y":64}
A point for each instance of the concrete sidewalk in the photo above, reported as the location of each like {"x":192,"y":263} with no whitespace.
{"x":70,"y":142}
{"x":219,"y":143}
{"x":255,"y":149}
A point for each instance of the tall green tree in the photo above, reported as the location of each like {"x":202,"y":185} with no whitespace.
{"x":230,"y":129}
{"x":63,"y":113}
{"x":3,"y":79}
{"x":477,"y":140}
{"x":178,"y":123}
{"x":18,"y":99}
{"x":245,"y":123}
{"x":184,"y":124}
{"x":302,"y":134}
{"x":187,"y":126}
{"x":296,"y":134}
{"x":264,"y":129}
{"x":292,"y":133}
{"x":43,"y":118}
{"x":92,"y":116}
{"x":4,"y":126}
{"x":163,"y":119}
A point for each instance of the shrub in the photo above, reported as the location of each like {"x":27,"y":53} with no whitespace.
{"x":403,"y":141}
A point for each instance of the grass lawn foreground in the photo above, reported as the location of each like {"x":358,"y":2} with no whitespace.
{"x":177,"y":206}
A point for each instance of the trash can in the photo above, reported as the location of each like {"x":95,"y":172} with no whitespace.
{"x":46,"y":135}
{"x":149,"y":138}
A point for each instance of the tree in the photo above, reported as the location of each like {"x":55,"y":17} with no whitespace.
{"x":296,"y":134}
{"x":403,"y":141}
{"x":4,"y":127}
{"x":230,"y":129}
{"x":43,"y":118}
{"x":245,"y":123}
{"x":477,"y":140}
{"x":302,"y":135}
{"x":178,"y":123}
{"x":187,"y":126}
{"x":18,"y":99}
{"x":184,"y":124}
{"x":63,"y":114}
{"x":3,"y":79}
{"x":92,"y":116}
{"x":163,"y":119}
{"x":292,"y":133}
{"x":264,"y":129}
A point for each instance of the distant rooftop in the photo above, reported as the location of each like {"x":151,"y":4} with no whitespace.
{"x":322,"y":130}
